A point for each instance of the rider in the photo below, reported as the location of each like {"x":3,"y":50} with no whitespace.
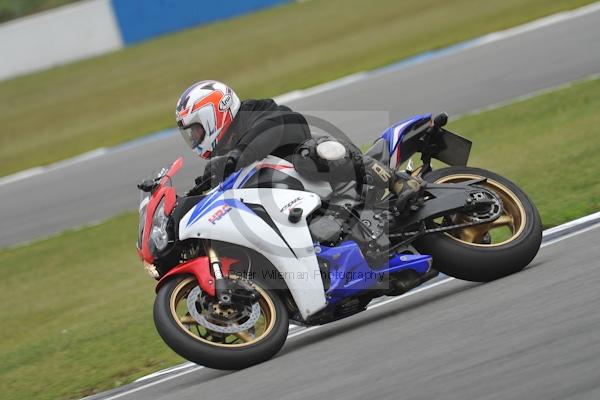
{"x":232,"y":134}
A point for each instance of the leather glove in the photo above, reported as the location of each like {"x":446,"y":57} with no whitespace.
{"x":216,"y":170}
{"x":201,"y":186}
{"x":220,"y":167}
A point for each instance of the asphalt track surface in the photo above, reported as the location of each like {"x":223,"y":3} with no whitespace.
{"x":456,"y":81}
{"x":532,"y":335}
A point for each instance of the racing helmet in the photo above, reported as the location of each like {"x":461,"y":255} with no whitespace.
{"x":204,"y":113}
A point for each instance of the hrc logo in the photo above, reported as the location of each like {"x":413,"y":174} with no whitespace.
{"x":220,"y":213}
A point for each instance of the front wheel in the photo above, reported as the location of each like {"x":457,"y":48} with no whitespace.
{"x":197,"y":328}
{"x":489,"y":251}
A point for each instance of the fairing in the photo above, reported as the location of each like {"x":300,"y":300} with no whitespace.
{"x":232,"y":215}
{"x":395,"y":134}
{"x":243,"y":177}
{"x":200,"y":268}
{"x":350,"y":274}
{"x":161,"y":191}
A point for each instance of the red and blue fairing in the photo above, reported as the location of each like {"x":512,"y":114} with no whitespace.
{"x":163,"y":198}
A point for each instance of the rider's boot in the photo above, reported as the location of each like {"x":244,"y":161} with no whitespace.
{"x":406,"y":187}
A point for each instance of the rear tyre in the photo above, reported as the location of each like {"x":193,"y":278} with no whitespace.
{"x":481,"y":253}
{"x":197,"y":343}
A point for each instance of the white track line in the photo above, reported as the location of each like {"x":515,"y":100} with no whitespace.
{"x":192,"y":368}
{"x":293,"y":335}
{"x":434,"y":54}
{"x":570,"y":235}
{"x":28,"y":173}
{"x":527,"y":96}
{"x":595,"y":217}
{"x":346,"y":80}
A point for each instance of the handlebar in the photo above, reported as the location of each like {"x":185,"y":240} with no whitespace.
{"x":440,"y":120}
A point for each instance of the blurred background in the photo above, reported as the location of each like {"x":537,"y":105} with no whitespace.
{"x":87,"y":96}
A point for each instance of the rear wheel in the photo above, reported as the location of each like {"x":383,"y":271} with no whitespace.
{"x":487,"y":251}
{"x":197,"y":328}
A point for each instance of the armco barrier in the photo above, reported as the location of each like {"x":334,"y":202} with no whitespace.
{"x":143,"y":19}
{"x":59,"y":36}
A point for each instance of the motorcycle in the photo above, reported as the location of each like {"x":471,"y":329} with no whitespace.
{"x":268,"y":247}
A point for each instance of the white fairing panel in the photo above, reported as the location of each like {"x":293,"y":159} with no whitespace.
{"x":225,"y":216}
{"x":322,"y":188}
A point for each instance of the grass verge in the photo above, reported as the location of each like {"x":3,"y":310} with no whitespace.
{"x":77,"y":308}
{"x":548,"y":145}
{"x":106,"y":100}
{"x":77,"y":313}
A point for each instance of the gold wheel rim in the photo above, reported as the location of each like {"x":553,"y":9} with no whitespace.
{"x":513,"y":213}
{"x":267,"y":310}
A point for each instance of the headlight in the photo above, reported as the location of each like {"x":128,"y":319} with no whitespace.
{"x":159,"y":235}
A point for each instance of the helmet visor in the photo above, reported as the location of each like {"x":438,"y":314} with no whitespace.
{"x":193,"y":135}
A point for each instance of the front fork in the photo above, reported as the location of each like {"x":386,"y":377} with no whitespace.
{"x":222,"y":290}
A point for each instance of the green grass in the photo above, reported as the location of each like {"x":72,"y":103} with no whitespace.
{"x":549,"y":145}
{"x":77,"y":315}
{"x":106,"y":100}
{"x":77,"y":308}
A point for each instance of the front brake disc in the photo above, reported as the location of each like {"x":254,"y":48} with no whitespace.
{"x":200,"y":319}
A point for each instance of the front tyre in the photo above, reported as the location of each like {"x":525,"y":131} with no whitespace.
{"x":216,"y":337}
{"x":489,"y":251}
